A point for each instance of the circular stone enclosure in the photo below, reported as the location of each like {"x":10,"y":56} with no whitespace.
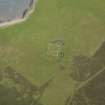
{"x":13,"y":11}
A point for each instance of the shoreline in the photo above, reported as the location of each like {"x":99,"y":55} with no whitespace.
{"x":31,"y":9}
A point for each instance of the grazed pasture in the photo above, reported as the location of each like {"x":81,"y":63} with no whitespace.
{"x":79,"y":23}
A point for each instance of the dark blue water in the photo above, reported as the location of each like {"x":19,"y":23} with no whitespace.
{"x":12,"y":9}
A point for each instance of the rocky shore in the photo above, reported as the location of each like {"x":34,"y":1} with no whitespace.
{"x":27,"y":12}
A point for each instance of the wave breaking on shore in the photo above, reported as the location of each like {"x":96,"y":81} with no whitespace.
{"x":24,"y":17}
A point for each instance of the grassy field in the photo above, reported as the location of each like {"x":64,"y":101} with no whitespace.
{"x":79,"y":23}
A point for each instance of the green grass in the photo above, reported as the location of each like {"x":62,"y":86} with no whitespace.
{"x":80,"y":23}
